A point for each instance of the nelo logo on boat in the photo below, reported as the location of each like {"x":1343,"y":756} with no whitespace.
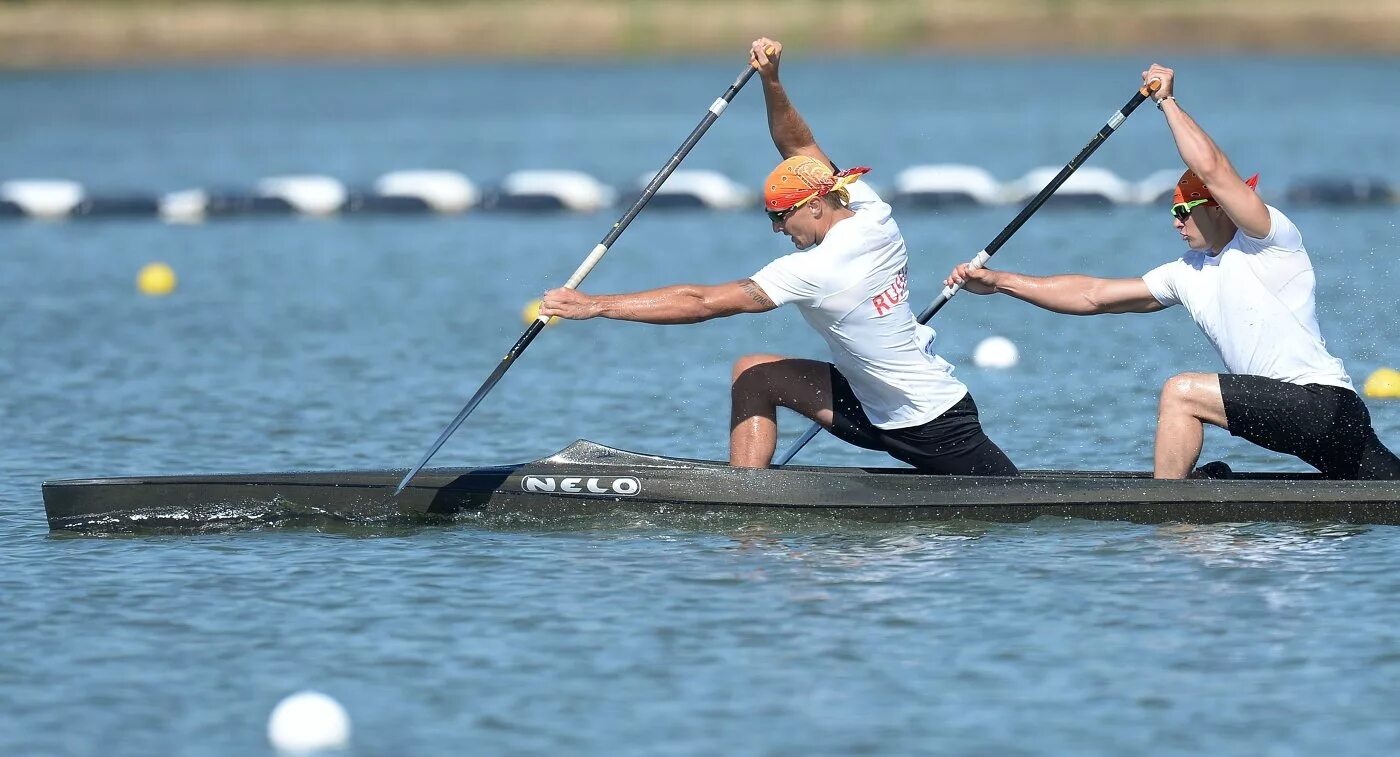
{"x":617,"y":486}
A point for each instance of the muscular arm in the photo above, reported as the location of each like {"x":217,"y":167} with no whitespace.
{"x":1208,"y":161}
{"x":790,"y":132}
{"x":1074,"y":294}
{"x":1203,"y":156}
{"x":683,"y":303}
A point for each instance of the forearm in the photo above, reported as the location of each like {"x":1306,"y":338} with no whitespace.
{"x":683,"y":303}
{"x":1197,"y":149}
{"x":789,"y":131}
{"x":1071,"y":294}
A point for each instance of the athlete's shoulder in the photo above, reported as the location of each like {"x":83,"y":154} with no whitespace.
{"x":861,"y":193}
{"x":1283,"y":236}
{"x":1190,"y":261}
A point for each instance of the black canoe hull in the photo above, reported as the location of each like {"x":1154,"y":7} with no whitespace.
{"x":589,"y":479}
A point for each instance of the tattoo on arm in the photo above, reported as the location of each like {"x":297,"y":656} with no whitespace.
{"x":755,"y":293}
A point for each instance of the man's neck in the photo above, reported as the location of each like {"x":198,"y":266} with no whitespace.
{"x":837,"y":216}
{"x":1221,"y":237}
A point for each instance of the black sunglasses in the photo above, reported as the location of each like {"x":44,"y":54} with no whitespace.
{"x":781,"y":216}
{"x":1182,"y":210}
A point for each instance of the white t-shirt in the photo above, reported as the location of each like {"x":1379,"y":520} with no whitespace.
{"x":853,"y":288}
{"x":1254,"y":301}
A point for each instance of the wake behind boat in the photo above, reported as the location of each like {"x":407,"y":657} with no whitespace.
{"x":591,"y":479}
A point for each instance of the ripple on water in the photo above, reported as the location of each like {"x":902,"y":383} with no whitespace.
{"x":349,"y":343}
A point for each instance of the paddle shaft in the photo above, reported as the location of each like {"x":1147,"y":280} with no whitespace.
{"x":537,"y":325}
{"x":981,"y":258}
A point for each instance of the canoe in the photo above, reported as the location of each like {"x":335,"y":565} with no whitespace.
{"x":590,"y":479}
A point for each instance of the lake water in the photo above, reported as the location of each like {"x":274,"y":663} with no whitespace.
{"x":295,"y":343}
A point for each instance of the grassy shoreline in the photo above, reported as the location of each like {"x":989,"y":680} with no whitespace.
{"x":45,"y":33}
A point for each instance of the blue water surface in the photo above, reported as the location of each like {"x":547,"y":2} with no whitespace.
{"x":338,"y":343}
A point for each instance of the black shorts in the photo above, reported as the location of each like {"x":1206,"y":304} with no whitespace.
{"x":951,"y":444}
{"x":1327,"y":427}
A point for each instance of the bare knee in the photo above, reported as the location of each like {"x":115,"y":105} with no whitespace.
{"x":1185,"y":393}
{"x":750,"y":368}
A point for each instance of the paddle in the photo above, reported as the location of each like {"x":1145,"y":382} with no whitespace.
{"x":713,"y":114}
{"x":981,"y":258}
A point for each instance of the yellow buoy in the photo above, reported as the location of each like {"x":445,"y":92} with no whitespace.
{"x":156,"y":280}
{"x":532,"y":311}
{"x":1383,"y":384}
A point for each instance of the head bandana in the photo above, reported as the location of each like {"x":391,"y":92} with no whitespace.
{"x":1190,"y":187}
{"x":801,"y":178}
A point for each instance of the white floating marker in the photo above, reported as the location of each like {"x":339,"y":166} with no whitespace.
{"x":308,"y":722}
{"x":555,"y":190}
{"x":996,"y":352}
{"x":443,"y":191}
{"x":1089,"y":186}
{"x":1158,"y":187}
{"x":698,"y":189}
{"x":186,"y":206}
{"x":946,"y":184}
{"x":312,"y":195}
{"x":43,"y":198}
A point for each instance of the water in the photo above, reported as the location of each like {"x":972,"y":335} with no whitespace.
{"x":297,"y":343}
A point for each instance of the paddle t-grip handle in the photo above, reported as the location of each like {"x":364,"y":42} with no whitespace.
{"x":1149,"y":89}
{"x":766,"y":51}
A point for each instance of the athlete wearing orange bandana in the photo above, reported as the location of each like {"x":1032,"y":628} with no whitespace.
{"x":885,"y":388}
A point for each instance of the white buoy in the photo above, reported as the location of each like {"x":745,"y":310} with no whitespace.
{"x":569,"y":190}
{"x":307,"y":722}
{"x":312,"y":195}
{"x":708,"y":189}
{"x":1087,"y":186}
{"x":43,"y":198}
{"x":946,"y":184}
{"x":996,"y":352}
{"x":185,"y":206}
{"x":443,"y":191}
{"x":1158,"y":187}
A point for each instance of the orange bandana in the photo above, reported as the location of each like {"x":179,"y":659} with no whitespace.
{"x":1190,"y":187}
{"x":801,"y":178}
